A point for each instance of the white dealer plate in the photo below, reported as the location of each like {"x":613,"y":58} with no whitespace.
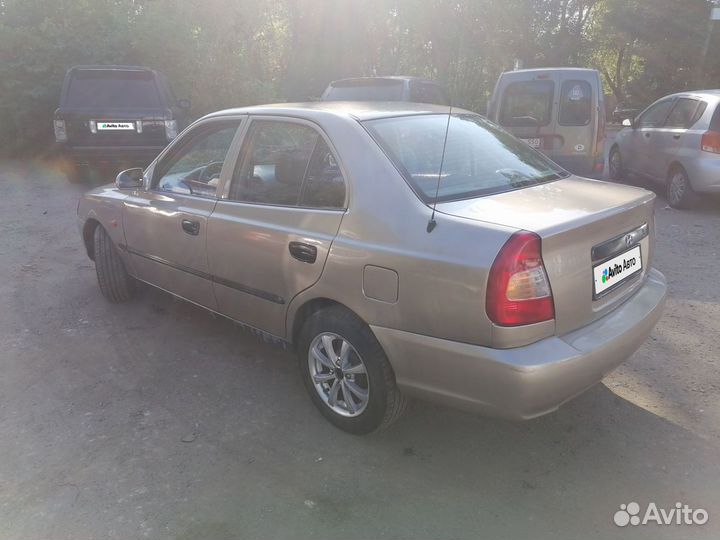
{"x":534,"y":143}
{"x":101,"y":124}
{"x":617,"y":270}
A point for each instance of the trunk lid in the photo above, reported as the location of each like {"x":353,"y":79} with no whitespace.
{"x":572,"y":216}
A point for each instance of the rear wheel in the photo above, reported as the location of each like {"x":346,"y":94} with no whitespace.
{"x":679,"y":192}
{"x":115,"y":283}
{"x":615,"y":164}
{"x":346,"y":372}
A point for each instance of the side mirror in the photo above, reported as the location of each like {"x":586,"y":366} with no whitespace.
{"x":184,"y":104}
{"x":627,"y":123}
{"x":129,"y":178}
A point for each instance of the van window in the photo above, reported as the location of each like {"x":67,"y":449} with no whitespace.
{"x":575,"y":103}
{"x":527,"y":103}
{"x":113,"y":89}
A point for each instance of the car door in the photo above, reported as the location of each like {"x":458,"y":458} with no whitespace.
{"x":270,"y":234}
{"x":165,"y":224}
{"x":668,"y":137}
{"x":643,"y":137}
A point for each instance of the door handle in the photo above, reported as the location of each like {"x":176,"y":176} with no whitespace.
{"x":647,"y":135}
{"x":191,"y":227}
{"x":676,"y":136}
{"x":303,"y":252}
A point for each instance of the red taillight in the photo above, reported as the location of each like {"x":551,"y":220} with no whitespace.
{"x":711,"y":142}
{"x":518,"y":290}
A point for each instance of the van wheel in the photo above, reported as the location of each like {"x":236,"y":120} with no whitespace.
{"x":679,"y":192}
{"x":346,"y":372}
{"x":615,"y":165}
{"x":115,"y":283}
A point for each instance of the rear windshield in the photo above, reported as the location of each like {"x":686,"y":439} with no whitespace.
{"x":527,"y":103}
{"x":113,"y":89}
{"x":375,"y":91}
{"x":575,"y":103}
{"x":480,"y":158}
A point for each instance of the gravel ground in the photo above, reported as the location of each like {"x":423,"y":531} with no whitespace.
{"x":155,"y":419}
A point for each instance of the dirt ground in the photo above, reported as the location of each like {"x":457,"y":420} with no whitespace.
{"x":155,"y":419}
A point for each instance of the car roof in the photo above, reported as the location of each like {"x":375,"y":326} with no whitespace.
{"x":541,"y":70}
{"x":111,"y":67}
{"x":358,"y":110}
{"x":383,"y":78}
{"x":708,"y":94}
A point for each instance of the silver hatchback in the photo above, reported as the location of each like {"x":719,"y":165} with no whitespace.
{"x":675,"y":142}
{"x":400,"y":249}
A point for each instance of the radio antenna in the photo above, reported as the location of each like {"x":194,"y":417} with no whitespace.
{"x":432,"y":223}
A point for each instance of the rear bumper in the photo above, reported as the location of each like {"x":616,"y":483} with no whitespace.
{"x":704,"y":172}
{"x":523,"y":382}
{"x":91,"y":155}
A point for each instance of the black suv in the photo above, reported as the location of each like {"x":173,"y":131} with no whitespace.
{"x":116,"y":114}
{"x":394,"y":88}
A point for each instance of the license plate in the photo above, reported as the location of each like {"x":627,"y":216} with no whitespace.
{"x":534,"y":143}
{"x":103,"y":125}
{"x":617,"y":270}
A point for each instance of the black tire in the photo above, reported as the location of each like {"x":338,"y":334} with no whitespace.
{"x":679,"y":192}
{"x":615,"y":166}
{"x":115,"y":283}
{"x":385,"y":403}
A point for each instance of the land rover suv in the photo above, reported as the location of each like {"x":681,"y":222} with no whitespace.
{"x":116,"y":114}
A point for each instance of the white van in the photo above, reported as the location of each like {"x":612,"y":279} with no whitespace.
{"x":559,"y":111}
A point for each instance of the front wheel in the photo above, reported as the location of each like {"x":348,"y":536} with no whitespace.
{"x":115,"y":283}
{"x":679,"y":192}
{"x":615,"y":164}
{"x":346,"y":372}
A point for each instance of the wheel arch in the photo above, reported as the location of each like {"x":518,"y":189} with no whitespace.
{"x":88,"y":234}
{"x":297,"y":318}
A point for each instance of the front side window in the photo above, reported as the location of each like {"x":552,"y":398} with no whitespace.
{"x":575,"y":103}
{"x":195,"y":168}
{"x":480,"y":159}
{"x":655,"y":116}
{"x":288,"y":164}
{"x":527,"y":104}
{"x":683,"y":114}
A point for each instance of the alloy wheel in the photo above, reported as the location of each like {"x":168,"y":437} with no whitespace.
{"x":338,"y":374}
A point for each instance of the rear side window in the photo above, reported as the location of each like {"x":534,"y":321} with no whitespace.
{"x":427,"y":93}
{"x":575,"y":103}
{"x":113,"y":89}
{"x":382,"y":90}
{"x":287,"y":164}
{"x":527,"y":104}
{"x":684,"y":114}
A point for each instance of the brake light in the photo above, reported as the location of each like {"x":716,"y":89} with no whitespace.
{"x":60,"y":131}
{"x":518,"y":290}
{"x":170,"y":129}
{"x":711,"y":142}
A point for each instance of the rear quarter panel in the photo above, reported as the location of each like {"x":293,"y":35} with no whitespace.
{"x":441,"y":276}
